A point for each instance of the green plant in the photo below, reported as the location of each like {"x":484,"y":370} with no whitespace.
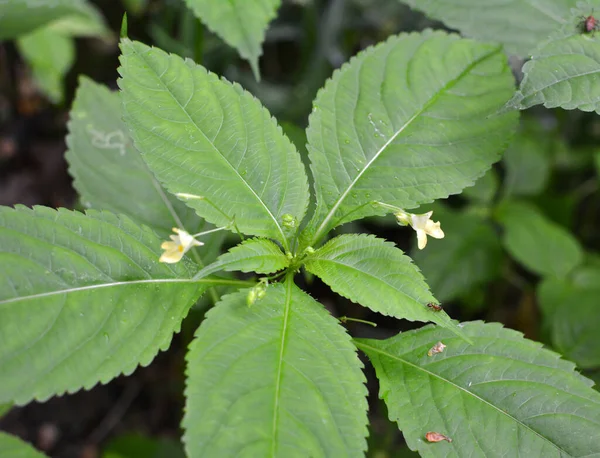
{"x":270,"y":372}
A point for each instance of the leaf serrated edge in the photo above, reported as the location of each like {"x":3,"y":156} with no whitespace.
{"x":426,"y":34}
{"x":243,"y":93}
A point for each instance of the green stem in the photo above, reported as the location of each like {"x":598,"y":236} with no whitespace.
{"x":344,"y":319}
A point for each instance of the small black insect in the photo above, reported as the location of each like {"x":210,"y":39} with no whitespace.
{"x":434,"y":307}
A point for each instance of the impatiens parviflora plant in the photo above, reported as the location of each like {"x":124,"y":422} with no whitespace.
{"x":270,"y":371}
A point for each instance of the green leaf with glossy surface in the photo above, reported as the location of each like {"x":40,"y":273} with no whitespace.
{"x":406,"y":122}
{"x":563,"y":71}
{"x":13,"y":447}
{"x":571,"y":312}
{"x":83,"y":299}
{"x":502,"y":396}
{"x":539,"y":244}
{"x":278,"y":379}
{"x":375,"y":274}
{"x":254,"y":255}
{"x":75,"y":17}
{"x":204,"y":136}
{"x":469,"y":255}
{"x":50,"y":55}
{"x":109,"y":173}
{"x":518,"y":24}
{"x":242,"y":24}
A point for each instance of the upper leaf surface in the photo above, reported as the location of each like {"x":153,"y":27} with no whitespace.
{"x":253,"y":255}
{"x":469,"y":255}
{"x":571,"y":312}
{"x":563,"y":71}
{"x":204,"y":136}
{"x":242,"y":24}
{"x":109,"y":173}
{"x":83,"y":299}
{"x":278,"y":379}
{"x":13,"y":447}
{"x":406,"y":122}
{"x":518,"y":24}
{"x":376,"y":274}
{"x":536,"y":242}
{"x":77,"y":17}
{"x":503,"y":396}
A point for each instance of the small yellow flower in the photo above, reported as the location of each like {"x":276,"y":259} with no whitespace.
{"x":180,"y":244}
{"x":422,"y":224}
{"x":424,"y":227}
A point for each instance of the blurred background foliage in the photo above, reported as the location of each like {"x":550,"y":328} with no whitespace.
{"x":521,"y":246}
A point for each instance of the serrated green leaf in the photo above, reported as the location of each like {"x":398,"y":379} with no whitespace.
{"x":50,"y":55}
{"x":254,"y":255}
{"x":485,"y":188}
{"x":527,"y":165}
{"x":468,"y":256}
{"x":376,"y":274}
{"x":503,"y":396}
{"x":109,"y":173}
{"x":278,"y":379}
{"x":571,"y":312}
{"x":83,"y":299}
{"x":406,"y":122}
{"x":242,"y":24}
{"x":73,"y":17}
{"x":207,"y":137}
{"x":518,"y":24}
{"x":13,"y":447}
{"x":539,"y":244}
{"x":563,"y":71}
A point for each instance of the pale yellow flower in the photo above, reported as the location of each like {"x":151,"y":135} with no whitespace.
{"x":424,"y":226}
{"x":180,"y":245}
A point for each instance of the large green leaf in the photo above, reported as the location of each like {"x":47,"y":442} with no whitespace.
{"x":83,"y":299}
{"x":50,"y":55}
{"x":406,"y":122}
{"x":279,"y":379}
{"x":469,"y":255}
{"x":253,"y":255}
{"x":536,"y":242}
{"x":242,"y":24}
{"x":518,"y":24}
{"x":376,"y":274}
{"x":571,"y":311}
{"x":13,"y":447}
{"x":204,"y":136}
{"x":109,"y":173}
{"x":563,"y":71}
{"x":75,"y":17}
{"x":503,"y":396}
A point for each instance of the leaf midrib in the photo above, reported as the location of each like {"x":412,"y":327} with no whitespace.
{"x":241,"y":178}
{"x":283,"y":340}
{"x":432,"y":100}
{"x":104,"y":285}
{"x":459,"y":388}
